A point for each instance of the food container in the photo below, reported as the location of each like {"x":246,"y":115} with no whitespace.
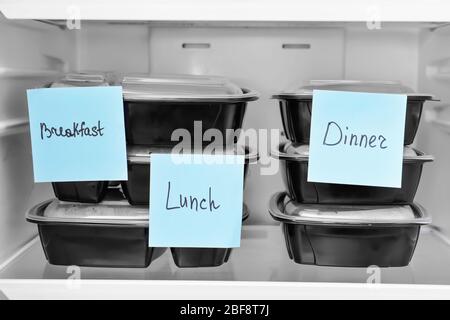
{"x":349,"y":236}
{"x":203,"y":257}
{"x":294,"y":165}
{"x":110,"y":234}
{"x":85,"y":191}
{"x":156,"y":106}
{"x":137,"y":188}
{"x":296,"y":105}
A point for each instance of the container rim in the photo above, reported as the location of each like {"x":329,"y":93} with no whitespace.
{"x":35,"y":215}
{"x":306,"y":92}
{"x":84,"y":78}
{"x":179,"y":79}
{"x":141,"y":157}
{"x":278,"y":154}
{"x":309,"y":96}
{"x":96,"y":79}
{"x":247,"y":95}
{"x":278,"y":202}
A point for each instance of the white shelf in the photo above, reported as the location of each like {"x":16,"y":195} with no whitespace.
{"x":260,"y":269}
{"x":201,"y":290}
{"x":230,"y":10}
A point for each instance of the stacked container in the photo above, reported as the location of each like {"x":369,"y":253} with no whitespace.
{"x":346,"y":225}
{"x":90,"y":223}
{"x":105,"y":224}
{"x":108,"y":234}
{"x":155,"y":108}
{"x":86,"y":191}
{"x":137,"y":191}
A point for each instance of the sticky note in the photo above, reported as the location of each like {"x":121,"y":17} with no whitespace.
{"x":357,"y":138}
{"x":77,"y":134}
{"x":196,"y":203}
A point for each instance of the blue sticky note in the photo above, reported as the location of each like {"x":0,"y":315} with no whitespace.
{"x":77,"y":134}
{"x":196,"y":200}
{"x":357,"y":138}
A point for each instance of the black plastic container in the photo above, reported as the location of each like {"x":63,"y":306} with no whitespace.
{"x":137,"y":188}
{"x":86,"y":191}
{"x":203,"y":257}
{"x":294,"y":163}
{"x":296,"y":106}
{"x":200,"y":257}
{"x":349,"y":236}
{"x":157,"y":106}
{"x":110,"y":234}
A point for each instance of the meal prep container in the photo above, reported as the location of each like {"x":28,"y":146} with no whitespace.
{"x":294,"y":164}
{"x":110,"y":234}
{"x":296,"y":105}
{"x":157,"y":106}
{"x":137,"y":188}
{"x":349,"y":236}
{"x":86,"y":191}
{"x":203,"y":257}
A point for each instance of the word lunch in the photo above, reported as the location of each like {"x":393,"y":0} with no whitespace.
{"x":191,"y":202}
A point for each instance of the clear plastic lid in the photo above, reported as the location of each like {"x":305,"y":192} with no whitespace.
{"x":83,"y":79}
{"x":183,"y":88}
{"x":114,"y":209}
{"x":306,"y":91}
{"x":282,"y":208}
{"x":108,"y":212}
{"x":300,"y":152}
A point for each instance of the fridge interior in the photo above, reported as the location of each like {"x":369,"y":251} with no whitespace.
{"x":268,"y":57}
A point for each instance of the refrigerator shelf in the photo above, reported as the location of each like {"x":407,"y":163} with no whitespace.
{"x":262,"y":257}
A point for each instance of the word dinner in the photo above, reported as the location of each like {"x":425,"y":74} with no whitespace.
{"x":334,"y":136}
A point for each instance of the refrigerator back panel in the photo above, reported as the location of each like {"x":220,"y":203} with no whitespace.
{"x":272,"y":59}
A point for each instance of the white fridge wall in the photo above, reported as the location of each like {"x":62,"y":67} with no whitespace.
{"x":386,"y":54}
{"x":31,"y":55}
{"x":433,"y":138}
